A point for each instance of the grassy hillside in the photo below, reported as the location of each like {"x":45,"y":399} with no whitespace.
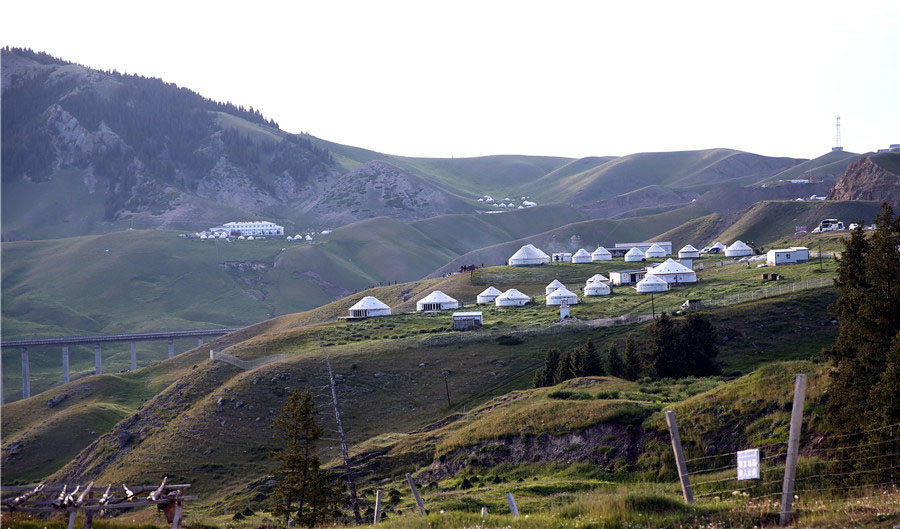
{"x":827,"y":167}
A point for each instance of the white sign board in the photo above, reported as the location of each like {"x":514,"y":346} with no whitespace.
{"x":748,"y":464}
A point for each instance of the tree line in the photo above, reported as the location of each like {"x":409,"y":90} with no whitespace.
{"x":674,"y":350}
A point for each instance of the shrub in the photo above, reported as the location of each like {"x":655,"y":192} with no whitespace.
{"x":509,"y":340}
{"x":563,"y":394}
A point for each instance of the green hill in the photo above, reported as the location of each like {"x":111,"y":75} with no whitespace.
{"x":827,"y":167}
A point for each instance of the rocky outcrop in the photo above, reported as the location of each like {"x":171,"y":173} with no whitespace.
{"x":870,"y":179}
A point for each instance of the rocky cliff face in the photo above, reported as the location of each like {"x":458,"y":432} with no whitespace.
{"x":870,"y":178}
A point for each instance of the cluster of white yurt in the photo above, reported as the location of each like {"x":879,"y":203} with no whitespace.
{"x":738,"y":249}
{"x":488,"y":295}
{"x":672,"y":271}
{"x":552,"y":286}
{"x":688,"y":252}
{"x":601,"y":254}
{"x":651,"y":284}
{"x":511,"y":298}
{"x":717,"y":244}
{"x":655,"y":251}
{"x":368,"y":307}
{"x":597,"y":278}
{"x":528,"y":255}
{"x":435,"y":301}
{"x":597,"y":288}
{"x":556,"y":297}
{"x":634,"y":255}
{"x":581,"y":256}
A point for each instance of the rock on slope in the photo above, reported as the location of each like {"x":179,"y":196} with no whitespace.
{"x":871,"y":178}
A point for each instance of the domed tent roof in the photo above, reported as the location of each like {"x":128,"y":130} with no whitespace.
{"x":652,"y":284}
{"x":601,"y":254}
{"x":672,"y":271}
{"x":437,"y":300}
{"x":738,"y":249}
{"x":511,"y":298}
{"x":634,"y":254}
{"x":561,"y":293}
{"x":369,"y":306}
{"x":581,"y":256}
{"x":655,"y":251}
{"x":597,"y":278}
{"x":528,"y":255}
{"x":718,"y":245}
{"x":488,"y":295}
{"x":553,"y":286}
{"x":597,"y":288}
{"x":689,"y":252}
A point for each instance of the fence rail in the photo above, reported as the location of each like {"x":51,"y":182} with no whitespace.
{"x":246,"y":364}
{"x":767,"y":292}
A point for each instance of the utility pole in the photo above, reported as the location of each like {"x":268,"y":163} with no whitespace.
{"x":652,"y":307}
{"x":820,"y":255}
{"x":447,"y":386}
{"x":354,"y":500}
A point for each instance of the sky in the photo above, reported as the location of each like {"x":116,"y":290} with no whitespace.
{"x":471,"y":78}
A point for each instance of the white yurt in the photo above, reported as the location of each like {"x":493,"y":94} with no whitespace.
{"x":241,"y":237}
{"x":368,"y":307}
{"x":601,"y":254}
{"x":688,"y":252}
{"x":553,"y":286}
{"x":581,"y":256}
{"x":597,"y":288}
{"x":204,"y":237}
{"x":289,"y":238}
{"x":597,"y":278}
{"x":634,"y":255}
{"x":738,"y":249}
{"x":528,"y":255}
{"x":250,"y":238}
{"x":651,"y":284}
{"x":718,"y":245}
{"x":673,"y":272}
{"x":511,"y":298}
{"x":655,"y":251}
{"x":560,"y":294}
{"x":488,"y":295}
{"x":437,"y":300}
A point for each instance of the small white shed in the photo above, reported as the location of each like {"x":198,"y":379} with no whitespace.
{"x":626,"y":277}
{"x":467,"y":320}
{"x":794,"y":254}
{"x":562,"y":257}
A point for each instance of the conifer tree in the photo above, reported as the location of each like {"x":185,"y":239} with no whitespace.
{"x":303,"y":492}
{"x":544,"y":377}
{"x":662,"y":351}
{"x":697,"y":347}
{"x":564,"y":369}
{"x":614,"y":361}
{"x":632,"y":368}
{"x":577,"y":365}
{"x":592,"y":364}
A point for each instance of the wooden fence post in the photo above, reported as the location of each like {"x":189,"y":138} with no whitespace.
{"x":377,"y":507}
{"x":679,"y":458}
{"x":415,"y":491}
{"x":512,"y":505}
{"x":72,"y":516}
{"x":88,"y":515}
{"x":790,"y":466}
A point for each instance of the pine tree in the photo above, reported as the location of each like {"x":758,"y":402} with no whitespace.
{"x":303,"y":492}
{"x":544,"y":377}
{"x":632,"y":368}
{"x":662,"y":351}
{"x":592,"y":364}
{"x":577,"y":363}
{"x":697,"y":346}
{"x":614,"y":361}
{"x":564,"y":369}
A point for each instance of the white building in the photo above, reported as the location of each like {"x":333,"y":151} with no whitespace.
{"x":251,"y":227}
{"x":467,"y":320}
{"x":581,"y":256}
{"x":562,"y":257}
{"x":435,"y":301}
{"x":528,"y":255}
{"x":688,"y":252}
{"x":601,"y":254}
{"x":651,"y":284}
{"x":794,"y":254}
{"x":634,"y":255}
{"x":488,"y":295}
{"x":369,"y":307}
{"x":553,"y":286}
{"x":738,"y":249}
{"x":626,"y":277}
{"x":511,"y":298}
{"x":597,"y":288}
{"x":655,"y":251}
{"x":673,"y":272}
{"x":559,"y":295}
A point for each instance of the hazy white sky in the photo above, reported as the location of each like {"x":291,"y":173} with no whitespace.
{"x":467,"y":78}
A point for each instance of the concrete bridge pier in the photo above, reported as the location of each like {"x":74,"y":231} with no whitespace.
{"x":171,"y":348}
{"x":133,"y":357}
{"x":26,"y":381}
{"x":98,"y":360}
{"x":65,"y":358}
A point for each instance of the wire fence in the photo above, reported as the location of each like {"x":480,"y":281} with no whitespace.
{"x":246,"y":364}
{"x":753,"y":295}
{"x":855,"y":465}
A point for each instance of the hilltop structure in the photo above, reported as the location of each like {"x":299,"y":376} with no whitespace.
{"x":250,"y":227}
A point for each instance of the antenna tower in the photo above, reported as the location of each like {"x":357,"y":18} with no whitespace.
{"x":837,"y":135}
